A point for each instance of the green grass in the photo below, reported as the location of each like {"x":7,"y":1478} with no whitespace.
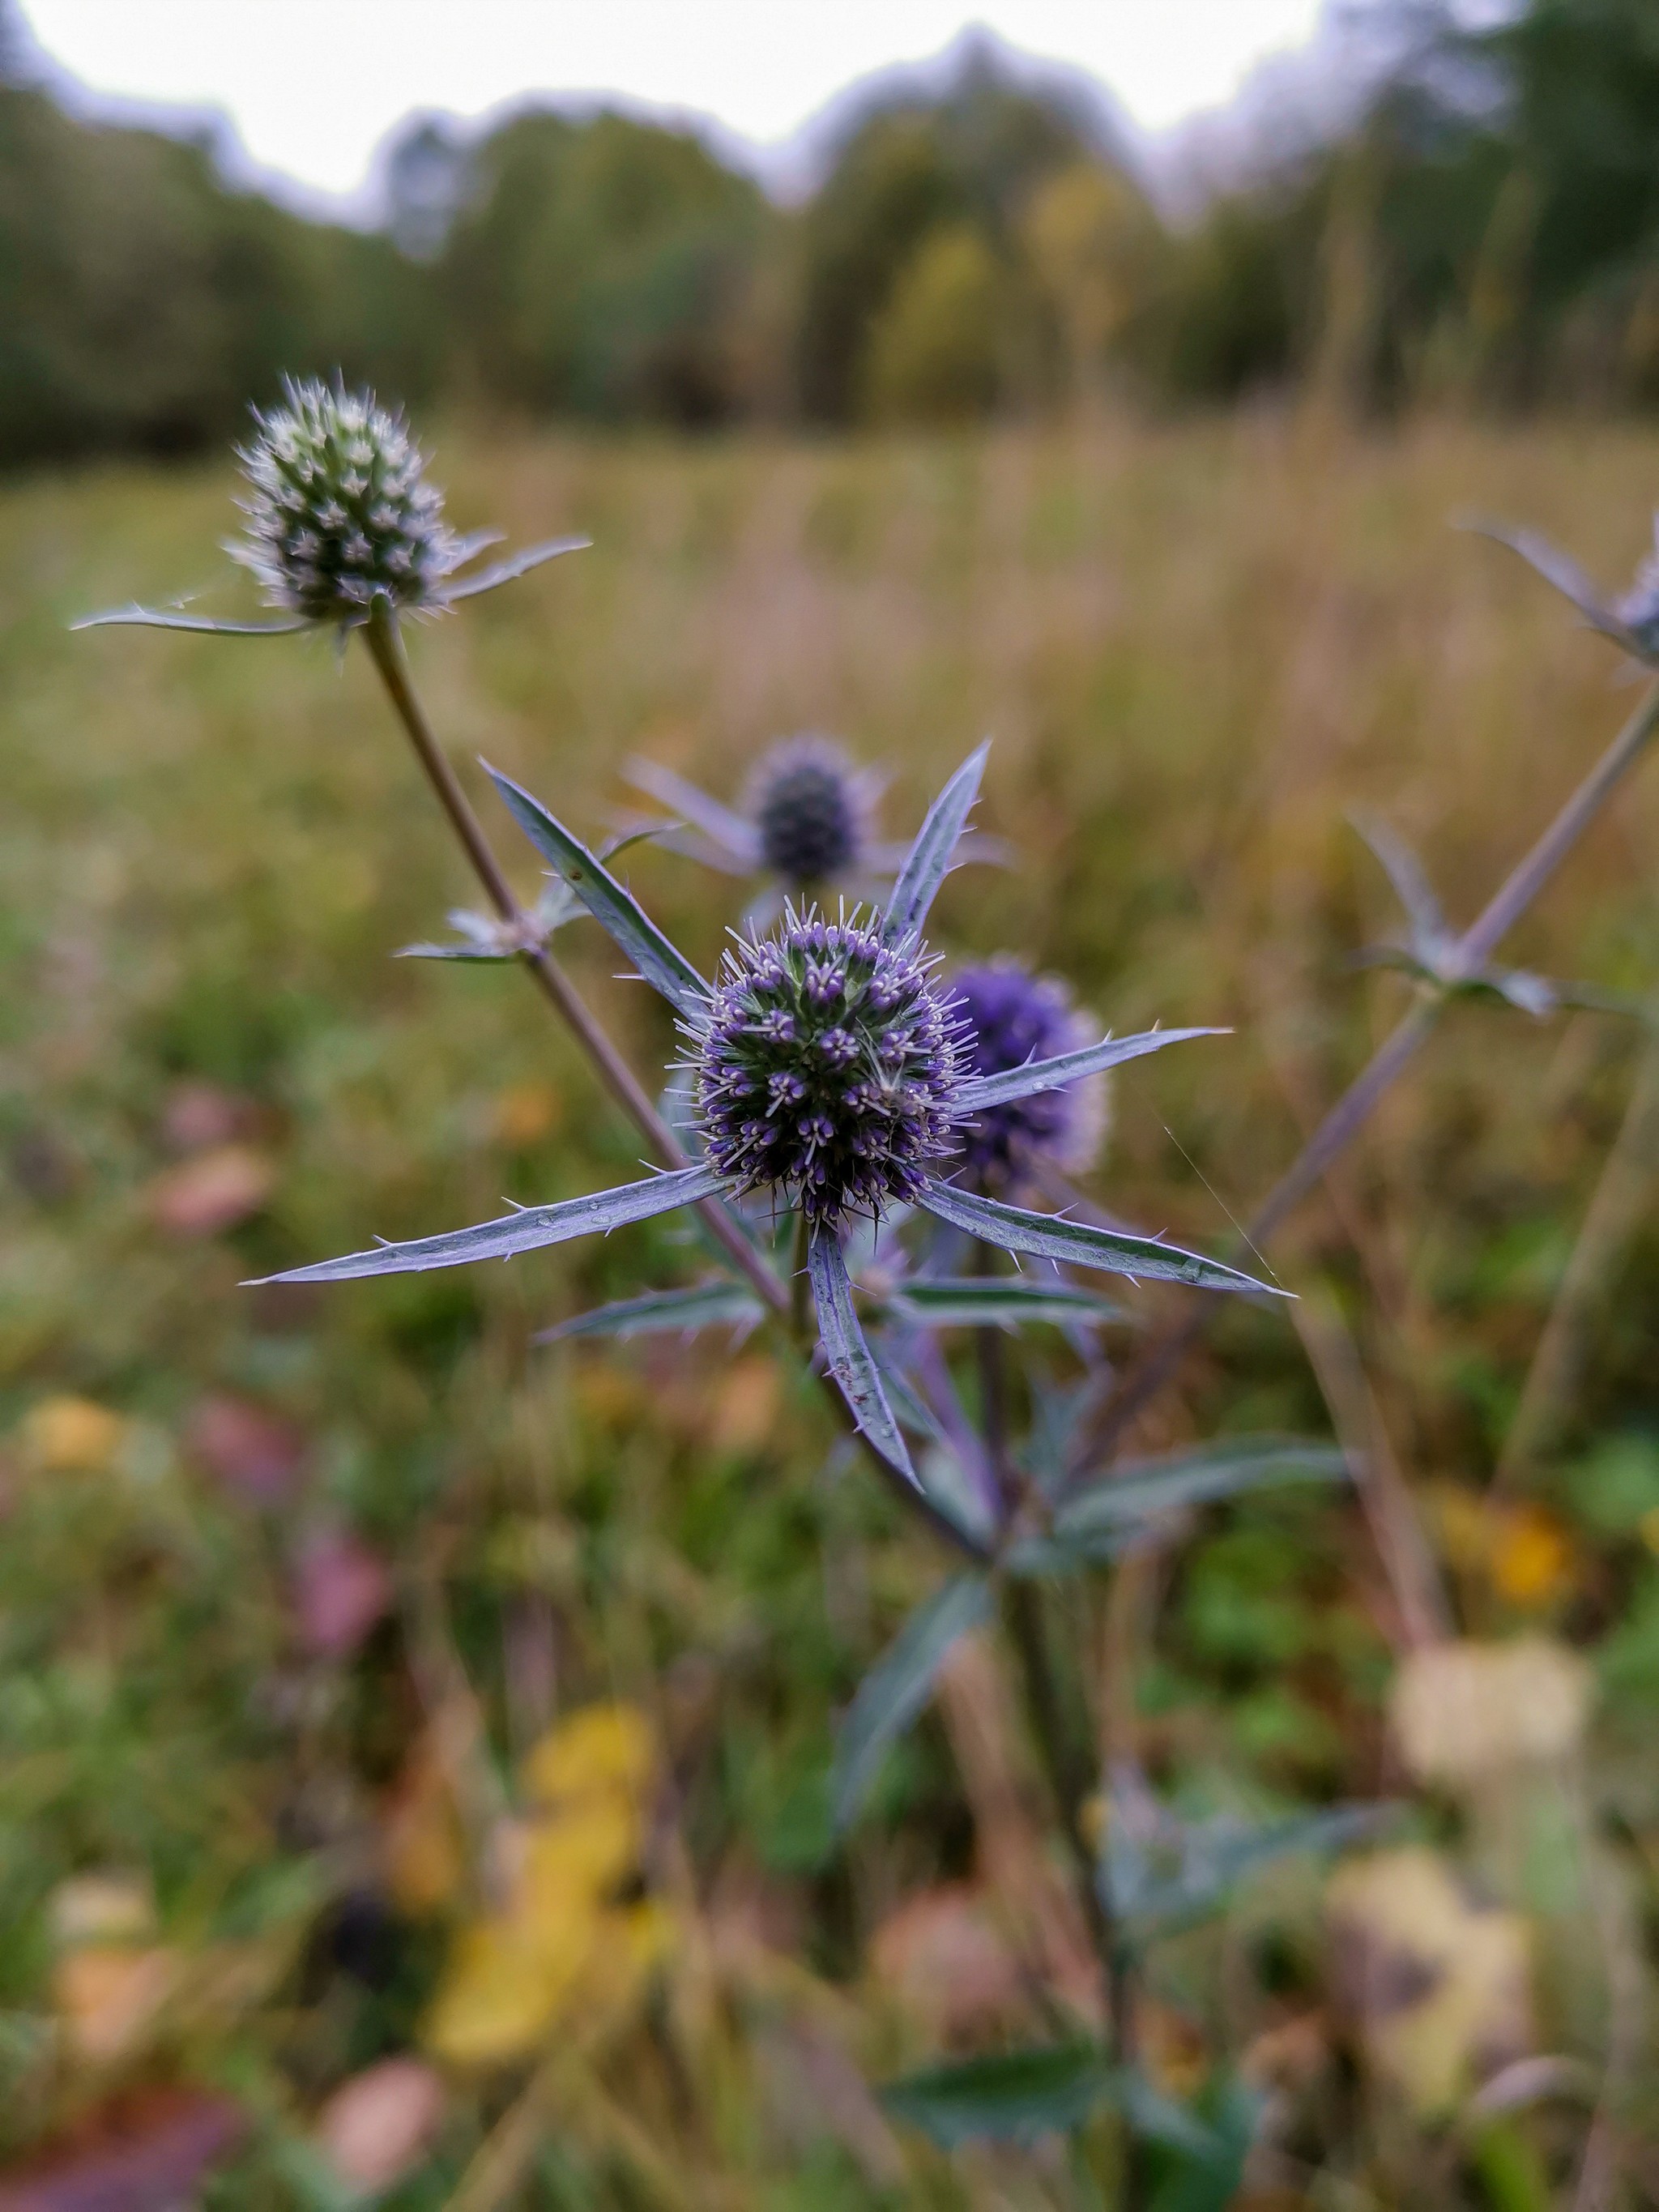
{"x":1195,"y":651}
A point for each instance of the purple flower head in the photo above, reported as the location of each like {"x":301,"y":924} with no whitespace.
{"x":812,"y":813}
{"x":1015,"y":1016}
{"x":825,"y":1068}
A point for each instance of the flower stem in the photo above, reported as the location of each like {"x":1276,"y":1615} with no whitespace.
{"x":1354,"y":1108}
{"x":386,"y":650}
{"x":1071,"y":1777}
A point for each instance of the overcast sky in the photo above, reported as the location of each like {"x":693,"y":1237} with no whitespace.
{"x":312,"y":85}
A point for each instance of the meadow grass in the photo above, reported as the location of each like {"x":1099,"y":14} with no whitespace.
{"x":1196,"y":649}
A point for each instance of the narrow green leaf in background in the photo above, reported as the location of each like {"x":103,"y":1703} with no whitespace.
{"x":898,"y":1685}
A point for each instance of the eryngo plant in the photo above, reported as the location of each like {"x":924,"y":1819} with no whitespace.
{"x":342,"y":519}
{"x":828,"y":1082}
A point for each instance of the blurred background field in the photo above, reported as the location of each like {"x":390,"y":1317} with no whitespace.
{"x":255,"y":1542}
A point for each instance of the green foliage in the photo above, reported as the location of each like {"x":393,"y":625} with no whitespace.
{"x":142,"y":304}
{"x":601,"y":268}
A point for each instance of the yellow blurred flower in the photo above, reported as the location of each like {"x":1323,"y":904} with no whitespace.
{"x":1532,"y":1556}
{"x":527,"y":1112}
{"x":72,"y":1435}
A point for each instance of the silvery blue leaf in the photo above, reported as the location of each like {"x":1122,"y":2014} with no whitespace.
{"x":727,"y":828}
{"x":1411,"y":885}
{"x":929,"y":859}
{"x":1038,"y":1075}
{"x":1095,"y":1524}
{"x":898,"y":1686}
{"x":851,"y":1361}
{"x":997,"y":1302}
{"x":1561,"y":570}
{"x":136,"y":617}
{"x":526,"y":1231}
{"x":661,"y":964}
{"x":1181,"y":1871}
{"x":658,"y":1313}
{"x":1050,"y":1237}
{"x":516,"y":564}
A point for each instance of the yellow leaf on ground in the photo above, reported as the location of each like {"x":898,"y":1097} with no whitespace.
{"x":72,"y":1435}
{"x":602,"y":1748}
{"x":497,"y":1998}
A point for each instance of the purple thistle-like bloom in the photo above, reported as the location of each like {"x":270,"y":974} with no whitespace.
{"x":812,"y":812}
{"x":1015,"y":1017}
{"x":826,"y":1068}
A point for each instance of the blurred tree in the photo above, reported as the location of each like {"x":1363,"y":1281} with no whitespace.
{"x":973,"y":154}
{"x":142,"y":304}
{"x":598,"y":267}
{"x":1096,"y":248}
{"x":935,"y":354}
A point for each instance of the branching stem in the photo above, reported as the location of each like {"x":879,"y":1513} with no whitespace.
{"x":1356,"y":1104}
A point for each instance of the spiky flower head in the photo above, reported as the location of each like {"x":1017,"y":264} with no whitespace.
{"x":825,"y":1068}
{"x":1014,"y":1017}
{"x":812,"y":809}
{"x":340,"y":510}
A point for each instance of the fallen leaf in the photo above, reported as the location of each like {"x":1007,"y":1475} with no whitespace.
{"x":251,"y":1451}
{"x":212,"y":1192}
{"x":526,"y":1113}
{"x":561,"y":1948}
{"x":197,"y":1115}
{"x":341,"y":1588}
{"x":600,"y":1749}
{"x":746,"y":1406}
{"x":143,"y":2152}
{"x":946,"y":1957}
{"x":1461,"y":1712}
{"x":421,"y":1841}
{"x":112,"y":1907}
{"x":107,"y":1995}
{"x":377,"y":2127}
{"x":1435,"y":1987}
{"x":72,"y":1435}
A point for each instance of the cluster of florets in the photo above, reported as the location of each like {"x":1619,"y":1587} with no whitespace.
{"x":340,"y":510}
{"x":812,"y":809}
{"x":1014,"y":1017}
{"x":826,"y":1069}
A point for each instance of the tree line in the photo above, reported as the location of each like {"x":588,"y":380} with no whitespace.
{"x":1485,"y":231}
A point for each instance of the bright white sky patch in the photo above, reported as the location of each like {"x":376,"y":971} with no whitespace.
{"x":312,"y":86}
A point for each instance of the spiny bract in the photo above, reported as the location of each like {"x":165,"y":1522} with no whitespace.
{"x":1638,"y":609}
{"x":340,"y":510}
{"x":826,"y":1068}
{"x":1015,"y":1016}
{"x":812,"y":809}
